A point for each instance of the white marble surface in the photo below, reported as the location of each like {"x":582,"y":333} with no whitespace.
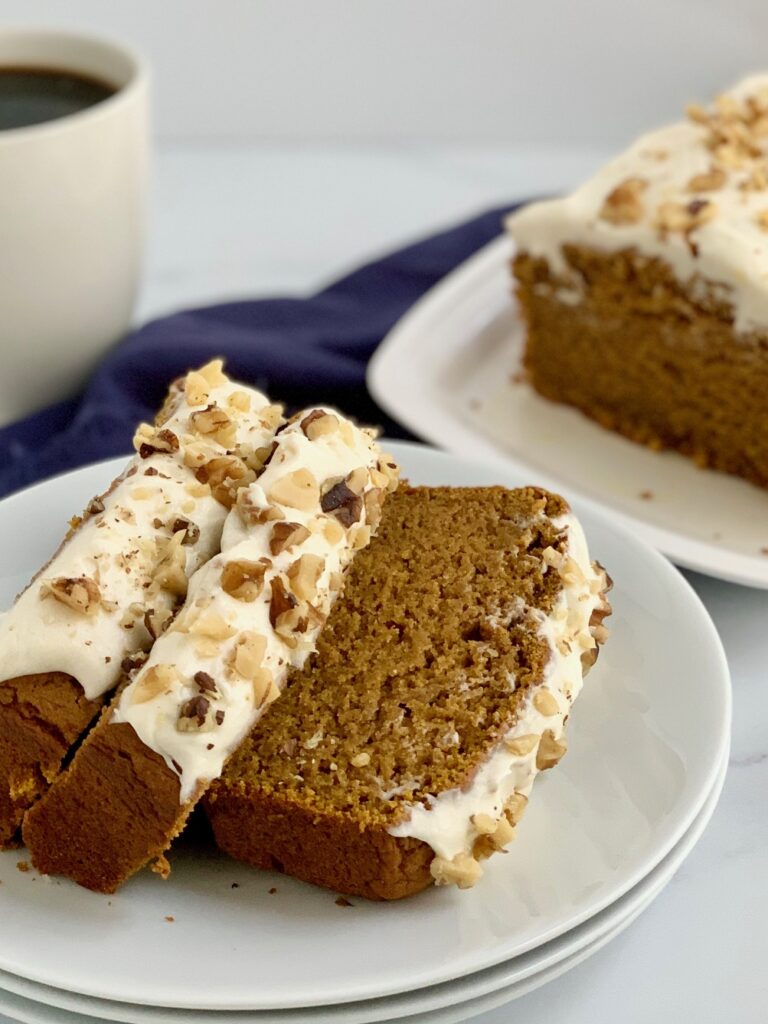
{"x":245,"y":221}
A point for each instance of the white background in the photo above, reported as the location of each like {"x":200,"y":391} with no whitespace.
{"x":494,"y":72}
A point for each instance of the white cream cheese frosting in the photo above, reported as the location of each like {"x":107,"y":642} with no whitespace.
{"x":452,"y":821}
{"x":254,"y":611}
{"x":694,"y":194}
{"x":117,"y":578}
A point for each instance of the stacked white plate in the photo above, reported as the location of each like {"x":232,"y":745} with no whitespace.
{"x":219,"y":944}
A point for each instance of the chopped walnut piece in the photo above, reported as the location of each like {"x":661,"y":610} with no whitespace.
{"x":242,"y":579}
{"x":359,"y":536}
{"x":265,"y":690}
{"x":156,"y":621}
{"x":515,"y":807}
{"x":248,"y":654}
{"x":373,"y":499}
{"x":212,"y":372}
{"x":389,"y":469}
{"x":286,"y":535}
{"x":319,"y":423}
{"x":195,"y":715}
{"x":296,"y":490}
{"x":171,"y":572}
{"x":340,"y":501}
{"x":684,"y":217}
{"x":550,"y":750}
{"x":196,"y":388}
{"x":190,"y":530}
{"x":545,"y":703}
{"x":240,"y":401}
{"x":304,"y":575}
{"x":206,"y":683}
{"x":282,"y":601}
{"x":252,"y":513}
{"x":148,"y":441}
{"x":213,"y":422}
{"x":225,"y":475}
{"x":333,"y":531}
{"x":271,"y":415}
{"x":462,"y":871}
{"x":156,"y":680}
{"x":623,"y":204}
{"x":707,"y":181}
{"x":80,"y":593}
{"x":521,"y":746}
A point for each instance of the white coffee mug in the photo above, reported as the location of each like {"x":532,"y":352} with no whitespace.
{"x":72,"y":209}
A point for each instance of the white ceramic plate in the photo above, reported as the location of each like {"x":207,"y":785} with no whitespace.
{"x":511,"y":980}
{"x":647,"y":740}
{"x":446,"y":373}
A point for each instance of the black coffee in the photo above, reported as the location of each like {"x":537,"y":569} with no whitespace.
{"x":34,"y":95}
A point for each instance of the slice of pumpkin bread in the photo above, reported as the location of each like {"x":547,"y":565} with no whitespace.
{"x":252,"y":614}
{"x":405,"y":751}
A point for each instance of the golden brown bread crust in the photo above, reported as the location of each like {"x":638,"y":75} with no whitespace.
{"x":115,"y":809}
{"x":642,"y":356}
{"x":272,"y":832}
{"x":41,"y":716}
{"x":375,"y":708}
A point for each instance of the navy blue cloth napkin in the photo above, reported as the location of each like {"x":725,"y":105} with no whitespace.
{"x":298,"y":351}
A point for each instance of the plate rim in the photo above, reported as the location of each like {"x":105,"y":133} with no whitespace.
{"x":406,"y":404}
{"x":417,"y":981}
{"x":613,"y":925}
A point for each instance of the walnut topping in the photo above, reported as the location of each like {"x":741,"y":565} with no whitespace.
{"x":147,"y":441}
{"x":545,"y":703}
{"x":196,"y":388}
{"x":213,"y":373}
{"x":248,"y":654}
{"x":171,"y":572}
{"x":240,"y":401}
{"x":684,"y":217}
{"x":304,"y":575}
{"x":319,"y":423}
{"x":520,"y":746}
{"x":132,"y":662}
{"x":373,"y":499}
{"x":550,"y":750}
{"x":190,"y":530}
{"x":196,"y":454}
{"x":333,"y":531}
{"x":462,"y":870}
{"x":286,"y":535}
{"x":265,"y":690}
{"x":94,"y":507}
{"x":359,"y":536}
{"x":271,"y":415}
{"x":80,"y":593}
{"x":242,"y":579}
{"x":623,"y":204}
{"x":296,"y":490}
{"x":515,"y":807}
{"x":252,"y":513}
{"x":343,"y":503}
{"x":282,"y":601}
{"x":225,"y":476}
{"x":214,"y":423}
{"x":195,"y":715}
{"x":156,"y":680}
{"x":708,"y":181}
{"x":206,"y":683}
{"x":156,"y":621}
